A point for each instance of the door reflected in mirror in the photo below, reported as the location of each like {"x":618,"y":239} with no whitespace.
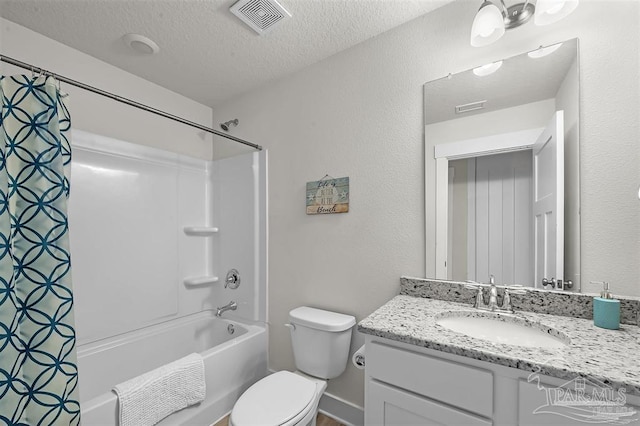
{"x":503,"y":149}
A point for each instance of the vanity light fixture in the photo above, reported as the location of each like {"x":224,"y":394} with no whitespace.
{"x":487,"y":69}
{"x":490,"y":22}
{"x":543,"y":51}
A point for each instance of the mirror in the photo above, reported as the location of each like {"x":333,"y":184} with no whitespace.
{"x":503,"y":142}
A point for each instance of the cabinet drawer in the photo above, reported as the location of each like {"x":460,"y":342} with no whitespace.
{"x":390,"y":406}
{"x":446,"y":381}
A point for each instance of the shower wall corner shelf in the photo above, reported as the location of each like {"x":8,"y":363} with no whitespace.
{"x":200,"y":231}
{"x":196,"y":281}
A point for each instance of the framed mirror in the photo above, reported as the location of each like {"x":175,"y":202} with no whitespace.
{"x":502,"y":141}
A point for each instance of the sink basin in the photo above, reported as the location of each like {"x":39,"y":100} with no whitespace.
{"x":503,"y":329}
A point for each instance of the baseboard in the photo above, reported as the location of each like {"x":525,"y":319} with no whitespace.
{"x":343,"y":411}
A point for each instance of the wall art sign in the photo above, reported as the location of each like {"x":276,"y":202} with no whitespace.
{"x":328,"y":195}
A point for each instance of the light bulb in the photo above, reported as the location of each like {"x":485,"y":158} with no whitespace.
{"x":550,"y":11}
{"x":488,"y":25}
{"x":487,"y":69}
{"x":555,"y":9}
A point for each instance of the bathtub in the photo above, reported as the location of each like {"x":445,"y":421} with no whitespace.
{"x":234,"y":357}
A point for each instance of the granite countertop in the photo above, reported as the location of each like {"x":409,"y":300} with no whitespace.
{"x":609,"y":356}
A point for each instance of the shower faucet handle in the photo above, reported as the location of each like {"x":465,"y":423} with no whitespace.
{"x":232,"y":280}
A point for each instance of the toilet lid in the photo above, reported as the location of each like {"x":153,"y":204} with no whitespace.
{"x":273,"y":400}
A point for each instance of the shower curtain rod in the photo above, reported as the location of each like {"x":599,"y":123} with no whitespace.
{"x":38,"y":70}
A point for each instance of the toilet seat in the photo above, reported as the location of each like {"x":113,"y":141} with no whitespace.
{"x":278,"y":399}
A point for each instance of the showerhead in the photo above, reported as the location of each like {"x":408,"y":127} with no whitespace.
{"x":228,"y":124}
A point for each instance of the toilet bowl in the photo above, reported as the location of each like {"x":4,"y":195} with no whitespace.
{"x":283,"y":398}
{"x":321,"y":341}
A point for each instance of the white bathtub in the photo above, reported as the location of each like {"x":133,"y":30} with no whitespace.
{"x":232,"y":363}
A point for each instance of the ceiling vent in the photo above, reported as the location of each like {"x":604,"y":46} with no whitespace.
{"x":473,"y":106}
{"x":261,"y":15}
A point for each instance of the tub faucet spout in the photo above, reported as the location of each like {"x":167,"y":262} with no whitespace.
{"x":231,"y":306}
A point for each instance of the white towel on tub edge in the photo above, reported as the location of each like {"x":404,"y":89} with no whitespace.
{"x":152,"y":396}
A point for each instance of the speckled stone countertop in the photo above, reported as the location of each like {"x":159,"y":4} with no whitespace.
{"x":610,"y":356}
{"x":565,"y":303}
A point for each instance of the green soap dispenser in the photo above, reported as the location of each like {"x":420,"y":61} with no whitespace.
{"x":606,"y":310}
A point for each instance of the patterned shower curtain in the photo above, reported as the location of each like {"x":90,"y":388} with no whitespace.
{"x":38,"y":372}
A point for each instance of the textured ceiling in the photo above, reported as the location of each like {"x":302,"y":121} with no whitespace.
{"x":207,"y":54}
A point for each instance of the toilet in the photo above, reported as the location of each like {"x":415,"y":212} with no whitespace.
{"x":321,"y":341}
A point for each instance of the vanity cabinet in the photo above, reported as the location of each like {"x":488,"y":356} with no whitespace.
{"x":411,"y":385}
{"x":393,"y":406}
{"x":405,"y":387}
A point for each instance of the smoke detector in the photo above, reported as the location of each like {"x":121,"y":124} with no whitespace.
{"x":261,"y":15}
{"x":141,"y":44}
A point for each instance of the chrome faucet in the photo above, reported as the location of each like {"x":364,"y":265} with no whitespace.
{"x":493,"y":305}
{"x":493,"y":295}
{"x":231,"y":306}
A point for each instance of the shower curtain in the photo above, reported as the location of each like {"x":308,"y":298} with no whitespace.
{"x":38,"y":372}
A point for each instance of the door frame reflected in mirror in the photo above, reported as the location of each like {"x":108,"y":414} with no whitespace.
{"x":541,"y":241}
{"x":443,"y":153}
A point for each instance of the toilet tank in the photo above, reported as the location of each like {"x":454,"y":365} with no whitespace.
{"x":321,"y":341}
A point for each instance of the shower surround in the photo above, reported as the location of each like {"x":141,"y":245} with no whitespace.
{"x":135,"y":267}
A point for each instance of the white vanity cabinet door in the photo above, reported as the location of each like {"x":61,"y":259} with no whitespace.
{"x":391,"y":406}
{"x":538,"y":404}
{"x":448,"y":382}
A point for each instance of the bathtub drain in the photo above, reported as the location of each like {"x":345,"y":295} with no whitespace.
{"x":231,"y":329}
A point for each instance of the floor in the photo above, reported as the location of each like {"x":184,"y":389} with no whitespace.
{"x":322,"y":421}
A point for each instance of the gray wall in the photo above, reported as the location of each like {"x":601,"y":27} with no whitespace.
{"x":359,"y":114}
